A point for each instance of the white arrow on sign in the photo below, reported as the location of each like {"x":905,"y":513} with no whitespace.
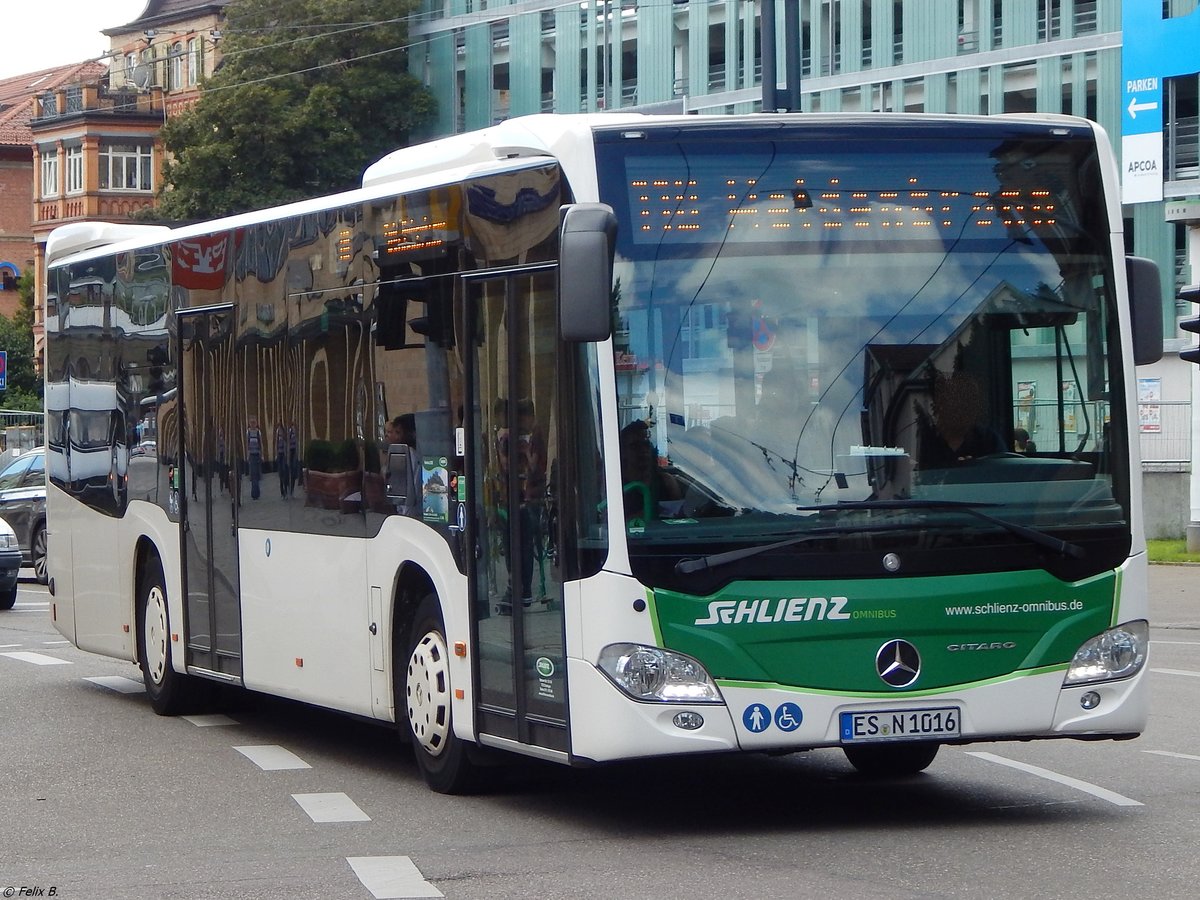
{"x":1135,"y":107}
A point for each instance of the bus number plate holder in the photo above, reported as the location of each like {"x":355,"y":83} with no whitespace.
{"x":865,"y":726}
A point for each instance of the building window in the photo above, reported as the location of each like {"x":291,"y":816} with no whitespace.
{"x":74,"y":170}
{"x":126,"y":167}
{"x":175,"y":67}
{"x":50,"y":173}
{"x":1085,"y":17}
{"x":1049,"y":19}
{"x":193,"y":61}
{"x":1020,"y":88}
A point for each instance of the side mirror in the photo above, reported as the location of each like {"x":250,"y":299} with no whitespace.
{"x":587,"y":240}
{"x":1145,"y":309}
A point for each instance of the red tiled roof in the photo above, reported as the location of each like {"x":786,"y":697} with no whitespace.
{"x":17,"y":92}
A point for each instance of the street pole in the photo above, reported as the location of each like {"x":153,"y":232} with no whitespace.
{"x":770,"y":77}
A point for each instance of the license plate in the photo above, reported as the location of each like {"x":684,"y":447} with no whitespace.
{"x":899,"y":724}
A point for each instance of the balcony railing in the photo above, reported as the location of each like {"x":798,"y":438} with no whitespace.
{"x":94,"y":98}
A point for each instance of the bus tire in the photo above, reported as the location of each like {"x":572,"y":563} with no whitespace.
{"x":37,"y":553}
{"x":891,"y":760}
{"x":170,"y":693}
{"x":423,"y":705}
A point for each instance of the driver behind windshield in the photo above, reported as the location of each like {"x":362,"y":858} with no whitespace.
{"x":954,"y":433}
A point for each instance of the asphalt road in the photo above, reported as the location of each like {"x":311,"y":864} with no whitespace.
{"x":100,"y":798}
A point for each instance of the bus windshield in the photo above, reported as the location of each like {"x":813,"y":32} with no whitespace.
{"x":809,"y":326}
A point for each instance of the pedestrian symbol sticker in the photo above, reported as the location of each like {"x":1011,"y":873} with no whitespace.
{"x":757,"y":717}
{"x":788,"y":717}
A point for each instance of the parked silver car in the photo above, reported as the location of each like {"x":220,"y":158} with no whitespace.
{"x":23,"y":506}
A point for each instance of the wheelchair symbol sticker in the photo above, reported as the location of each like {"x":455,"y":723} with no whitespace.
{"x":788,"y":717}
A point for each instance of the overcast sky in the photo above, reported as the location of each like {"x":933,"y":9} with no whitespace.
{"x":39,"y":34}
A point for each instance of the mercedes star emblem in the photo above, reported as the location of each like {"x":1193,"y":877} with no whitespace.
{"x":898,"y":663}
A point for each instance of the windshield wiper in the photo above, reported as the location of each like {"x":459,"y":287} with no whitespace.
{"x":688,"y":566}
{"x":1040,"y":538}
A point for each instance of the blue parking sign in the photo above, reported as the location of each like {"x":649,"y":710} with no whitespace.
{"x":3,"y":370}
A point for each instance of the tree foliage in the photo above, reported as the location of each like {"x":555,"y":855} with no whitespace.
{"x":308,"y":94}
{"x":24,"y":391}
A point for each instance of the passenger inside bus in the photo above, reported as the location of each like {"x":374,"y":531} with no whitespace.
{"x":649,"y":488}
{"x":402,"y":432}
{"x":527,"y":460}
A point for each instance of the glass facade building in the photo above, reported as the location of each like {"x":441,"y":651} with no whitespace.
{"x":489,"y":60}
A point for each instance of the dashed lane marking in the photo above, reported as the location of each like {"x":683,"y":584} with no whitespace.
{"x":335,"y":807}
{"x":38,"y":659}
{"x":271,"y":757}
{"x":207,"y":721}
{"x":1175,"y":755}
{"x":118,"y":683}
{"x":1176,"y":672}
{"x":391,"y":877}
{"x":1067,"y":780}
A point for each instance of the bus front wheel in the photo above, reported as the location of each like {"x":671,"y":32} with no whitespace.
{"x":170,"y":693}
{"x":423,"y":702}
{"x":891,"y":760}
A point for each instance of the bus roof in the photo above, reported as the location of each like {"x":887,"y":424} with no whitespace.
{"x":507,"y":146}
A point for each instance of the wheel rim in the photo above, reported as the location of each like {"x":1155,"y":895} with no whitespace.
{"x":427,"y":694}
{"x":39,"y":555}
{"x":155,"y":631}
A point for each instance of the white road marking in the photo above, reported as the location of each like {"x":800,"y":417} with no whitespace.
{"x":1086,"y":787}
{"x":209,"y":720}
{"x":391,"y":877}
{"x":1176,"y":672}
{"x":271,"y":757}
{"x":1179,"y":643}
{"x":55,"y":643}
{"x":1176,"y":755}
{"x":336,"y":807}
{"x":8,"y":646}
{"x":38,"y":659}
{"x":118,"y":683}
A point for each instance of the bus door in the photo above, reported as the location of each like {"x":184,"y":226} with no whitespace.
{"x":208,"y":499}
{"x":514,"y":577}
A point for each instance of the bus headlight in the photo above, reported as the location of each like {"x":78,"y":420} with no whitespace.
{"x":650,"y":673}
{"x":1116,"y":653}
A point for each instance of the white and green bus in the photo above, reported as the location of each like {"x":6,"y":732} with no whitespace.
{"x":592,"y":438}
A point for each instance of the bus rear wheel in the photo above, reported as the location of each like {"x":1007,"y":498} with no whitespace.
{"x":891,"y":760}
{"x":170,"y":693}
{"x":423,"y":703}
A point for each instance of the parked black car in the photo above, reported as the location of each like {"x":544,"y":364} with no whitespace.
{"x":23,"y":506}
